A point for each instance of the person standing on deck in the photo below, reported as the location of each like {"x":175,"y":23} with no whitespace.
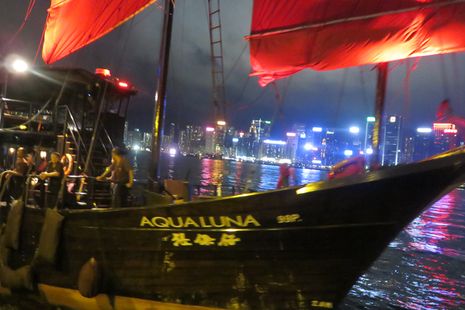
{"x":122,"y":178}
{"x":285,"y":173}
{"x":55,"y":174}
{"x":12,"y":181}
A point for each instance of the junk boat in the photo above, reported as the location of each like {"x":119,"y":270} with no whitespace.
{"x":294,"y":248}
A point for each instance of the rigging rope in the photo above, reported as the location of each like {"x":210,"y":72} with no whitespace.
{"x":58,"y":99}
{"x":341,"y":94}
{"x":236,"y":61}
{"x":457,"y":78}
{"x":39,"y":46}
{"x":409,"y":67}
{"x":364,"y":93}
{"x":32,"y":118}
{"x":279,"y":100}
{"x":444,"y":77}
{"x":23,"y":24}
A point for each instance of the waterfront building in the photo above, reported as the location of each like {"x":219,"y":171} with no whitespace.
{"x":125,"y":133}
{"x":146,"y":140}
{"x":353,"y":141}
{"x":245,"y":145}
{"x":219,"y":138}
{"x":259,"y":131}
{"x":192,"y":140}
{"x":291,"y":145}
{"x":408,"y":150}
{"x":316,"y":136}
{"x":445,"y":137}
{"x":171,"y":137}
{"x":331,"y":152}
{"x":423,"y":145}
{"x":229,"y":147}
{"x":370,"y":125}
{"x":210,"y":140}
{"x":391,"y":145}
{"x":134,"y":138}
{"x":301,"y":136}
{"x":273,"y":150}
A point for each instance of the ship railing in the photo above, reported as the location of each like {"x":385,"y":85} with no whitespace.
{"x":218,"y":190}
{"x":108,"y":142}
{"x":16,"y":110}
{"x":83,"y":192}
{"x":74,"y":131}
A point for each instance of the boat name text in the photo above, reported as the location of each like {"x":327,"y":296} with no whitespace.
{"x":199,"y":222}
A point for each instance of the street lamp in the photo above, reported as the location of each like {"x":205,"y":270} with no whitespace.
{"x":12,"y":64}
{"x":19,"y":65}
{"x":16,"y":64}
{"x":354,"y":129}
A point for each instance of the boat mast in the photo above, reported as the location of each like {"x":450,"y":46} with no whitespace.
{"x":160,"y":94}
{"x":382,"y":69}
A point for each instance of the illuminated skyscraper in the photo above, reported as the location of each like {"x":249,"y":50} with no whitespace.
{"x":192,"y":140}
{"x":423,"y":145}
{"x":275,"y":149}
{"x":445,"y":137}
{"x":210,"y":140}
{"x":259,"y":131}
{"x":291,"y":149}
{"x":391,"y":141}
{"x":369,"y":133}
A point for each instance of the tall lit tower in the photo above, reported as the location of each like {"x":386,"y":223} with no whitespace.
{"x":210,"y":140}
{"x":369,"y":133}
{"x":259,"y":131}
{"x":220,"y":135}
{"x":291,"y":149}
{"x":392,"y":141}
{"x":423,"y":144}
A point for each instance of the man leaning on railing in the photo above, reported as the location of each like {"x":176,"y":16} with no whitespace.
{"x":122,"y":177}
{"x":54,"y":174}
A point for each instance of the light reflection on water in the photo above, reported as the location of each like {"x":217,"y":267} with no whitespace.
{"x":242,"y":175}
{"x":423,"y":268}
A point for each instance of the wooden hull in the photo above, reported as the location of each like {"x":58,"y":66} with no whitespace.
{"x":294,"y":248}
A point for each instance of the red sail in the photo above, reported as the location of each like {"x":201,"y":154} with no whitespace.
{"x":288,"y":36}
{"x":72,"y":24}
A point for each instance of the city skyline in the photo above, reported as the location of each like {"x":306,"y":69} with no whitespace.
{"x":311,"y":146}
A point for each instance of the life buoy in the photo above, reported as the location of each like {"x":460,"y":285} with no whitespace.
{"x":67,"y":161}
{"x":347,"y":167}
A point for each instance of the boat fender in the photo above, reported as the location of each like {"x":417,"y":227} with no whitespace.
{"x":49,"y":238}
{"x":13,"y":224}
{"x":67,"y":161}
{"x":20,"y":278}
{"x":89,"y":280}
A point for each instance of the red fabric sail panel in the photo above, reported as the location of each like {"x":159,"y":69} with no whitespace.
{"x":72,"y":24}
{"x":288,"y":36}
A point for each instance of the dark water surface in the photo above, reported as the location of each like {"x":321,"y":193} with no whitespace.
{"x":423,"y":268}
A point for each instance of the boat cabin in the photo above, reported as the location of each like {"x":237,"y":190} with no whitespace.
{"x":58,"y":109}
{"x":72,"y":111}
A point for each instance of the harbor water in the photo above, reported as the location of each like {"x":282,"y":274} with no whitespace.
{"x":423,"y":268}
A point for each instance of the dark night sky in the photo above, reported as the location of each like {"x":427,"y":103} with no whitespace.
{"x":338,"y":99}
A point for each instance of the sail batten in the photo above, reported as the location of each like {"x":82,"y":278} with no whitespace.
{"x":73,"y":24}
{"x":288,"y":36}
{"x":349,"y":19}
